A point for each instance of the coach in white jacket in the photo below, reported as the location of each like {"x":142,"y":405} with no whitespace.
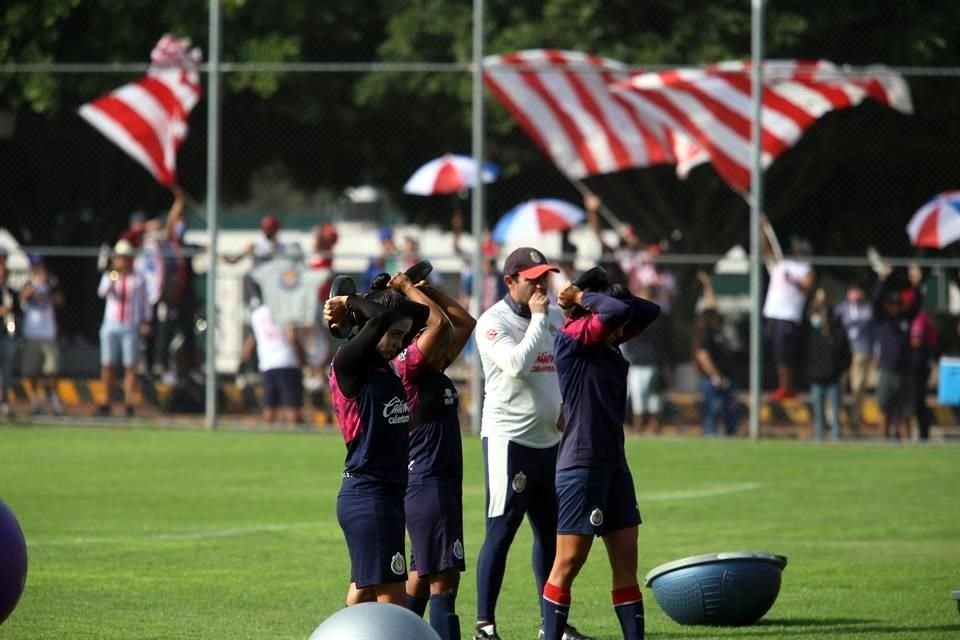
{"x":519,"y":426}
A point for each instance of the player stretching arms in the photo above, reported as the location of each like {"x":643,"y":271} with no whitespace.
{"x":434,"y":501}
{"x":595,"y":493}
{"x":371,"y":408}
{"x":519,"y":427}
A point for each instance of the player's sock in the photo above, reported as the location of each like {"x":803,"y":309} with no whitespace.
{"x":443,"y":617}
{"x":556,"y":608}
{"x":628,"y":603}
{"x":416,"y":604}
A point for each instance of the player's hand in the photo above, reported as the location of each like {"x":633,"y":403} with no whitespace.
{"x":335,"y":311}
{"x":400,"y":282}
{"x":884,"y":271}
{"x":569,"y":295}
{"x":538,"y":302}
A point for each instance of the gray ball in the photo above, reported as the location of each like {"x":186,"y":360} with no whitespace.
{"x":374,"y":621}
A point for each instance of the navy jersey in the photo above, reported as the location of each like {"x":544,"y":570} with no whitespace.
{"x":374,"y":424}
{"x":436,"y":452}
{"x":593,"y":379}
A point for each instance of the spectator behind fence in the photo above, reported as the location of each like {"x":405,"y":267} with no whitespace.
{"x":715,"y":363}
{"x":386,"y":261}
{"x":892,"y":329}
{"x":126,"y":317}
{"x":791,"y":281}
{"x":924,"y":350}
{"x":40,"y":298}
{"x":648,"y":354}
{"x":9,"y":317}
{"x":828,"y":357}
{"x":280,"y":360}
{"x":855,"y":315}
{"x":325,"y":238}
{"x":625,"y":263}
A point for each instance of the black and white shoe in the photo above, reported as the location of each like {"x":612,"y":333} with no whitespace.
{"x":486,"y":632}
{"x":419,"y":271}
{"x":570,"y":633}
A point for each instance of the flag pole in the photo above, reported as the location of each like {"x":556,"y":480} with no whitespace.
{"x":213,"y":198}
{"x":477,"y":208}
{"x":756,"y":207}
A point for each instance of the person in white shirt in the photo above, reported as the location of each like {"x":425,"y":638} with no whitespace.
{"x":791,"y":281}
{"x":280,"y":360}
{"x":40,"y":297}
{"x":126,"y":317}
{"x":519,"y":427}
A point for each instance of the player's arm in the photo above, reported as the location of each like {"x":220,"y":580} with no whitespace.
{"x":355,"y":359}
{"x":175,"y":215}
{"x":106,"y":284}
{"x":460,"y":319}
{"x":512,"y":357}
{"x":708,"y":367}
{"x":435,"y":335}
{"x":642,"y":314}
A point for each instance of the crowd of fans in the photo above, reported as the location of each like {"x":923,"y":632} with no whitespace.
{"x":885,"y":340}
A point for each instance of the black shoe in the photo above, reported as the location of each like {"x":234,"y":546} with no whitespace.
{"x":342,"y":286}
{"x":569,"y":633}
{"x":480,"y":634}
{"x":128,"y":412}
{"x":103,"y":411}
{"x":419,"y":271}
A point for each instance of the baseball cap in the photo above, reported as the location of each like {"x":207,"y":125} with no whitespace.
{"x":328,"y":230}
{"x":123,"y":248}
{"x":35,"y":259}
{"x":527,"y":262}
{"x":385,"y":234}
{"x":269,"y":223}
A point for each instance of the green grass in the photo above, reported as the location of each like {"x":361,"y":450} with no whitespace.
{"x":142,"y":533}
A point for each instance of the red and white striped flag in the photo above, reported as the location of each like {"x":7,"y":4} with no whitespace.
{"x":592,"y":117}
{"x":148,"y":118}
{"x":713,"y":105}
{"x":562,"y":99}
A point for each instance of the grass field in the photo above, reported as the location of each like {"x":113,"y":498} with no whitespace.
{"x":143,"y":533}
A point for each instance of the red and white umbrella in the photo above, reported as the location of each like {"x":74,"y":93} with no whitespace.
{"x":450,"y":173}
{"x":533,"y":218}
{"x":937,"y":223}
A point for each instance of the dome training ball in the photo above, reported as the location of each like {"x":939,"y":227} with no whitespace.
{"x":13,"y":562}
{"x":374,"y":621}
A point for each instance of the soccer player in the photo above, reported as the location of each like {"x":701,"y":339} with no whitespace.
{"x":371,"y":408}
{"x":434,"y":500}
{"x":519,"y":427}
{"x":595,"y":493}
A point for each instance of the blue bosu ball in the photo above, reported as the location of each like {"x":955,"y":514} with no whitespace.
{"x":13,"y":561}
{"x":719,"y":589}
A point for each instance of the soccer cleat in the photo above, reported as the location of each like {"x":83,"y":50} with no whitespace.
{"x":570,"y":633}
{"x":486,"y":632}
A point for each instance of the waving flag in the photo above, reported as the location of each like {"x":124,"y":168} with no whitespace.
{"x":562,"y":99}
{"x":713,"y":105}
{"x":148,"y":118}
{"x":592,"y":117}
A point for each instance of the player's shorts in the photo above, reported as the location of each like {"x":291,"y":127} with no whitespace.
{"x":595,"y":501}
{"x":784,"y":337}
{"x":119,"y":344}
{"x":519,"y":478}
{"x":39,"y":357}
{"x":372,"y":521}
{"x":283,"y":387}
{"x":434,"y":514}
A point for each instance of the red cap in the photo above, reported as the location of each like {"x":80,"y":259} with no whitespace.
{"x":269,"y":224}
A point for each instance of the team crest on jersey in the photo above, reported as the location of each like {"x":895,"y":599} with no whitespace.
{"x":449,"y":396}
{"x":519,"y":482}
{"x":458,"y":549}
{"x":398,"y":565}
{"x":596,"y":517}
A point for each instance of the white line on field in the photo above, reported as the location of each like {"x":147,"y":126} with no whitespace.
{"x":708,"y":492}
{"x":176,"y":537}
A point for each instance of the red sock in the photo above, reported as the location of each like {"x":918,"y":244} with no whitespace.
{"x":556,"y":595}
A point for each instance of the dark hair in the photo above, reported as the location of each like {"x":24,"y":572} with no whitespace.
{"x":397,"y":302}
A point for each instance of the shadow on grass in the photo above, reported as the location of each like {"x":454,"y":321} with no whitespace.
{"x":818,"y":627}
